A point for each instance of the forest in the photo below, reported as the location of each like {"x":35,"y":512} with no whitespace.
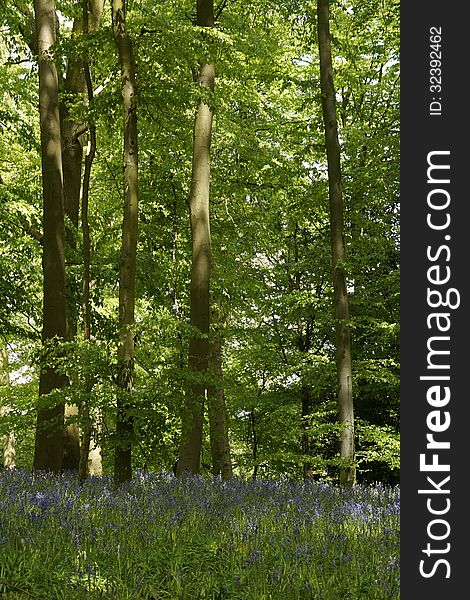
{"x":199,"y":246}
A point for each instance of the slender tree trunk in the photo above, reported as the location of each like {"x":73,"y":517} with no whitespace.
{"x":95,"y":465}
{"x":72,"y":153}
{"x":71,"y":458}
{"x":89,"y":460}
{"x":85,"y":408}
{"x":50,"y":420}
{"x":306,"y":415}
{"x":124,"y":417}
{"x":255,"y":442}
{"x":72,"y":156}
{"x":220,"y":447}
{"x":338,"y":249}
{"x":88,"y":385}
{"x":193,"y":410}
{"x":8,"y":441}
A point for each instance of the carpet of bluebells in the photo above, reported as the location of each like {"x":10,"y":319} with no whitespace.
{"x":159,"y":538}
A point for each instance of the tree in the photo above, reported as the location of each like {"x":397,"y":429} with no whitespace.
{"x":338,"y":249}
{"x":191,"y":438}
{"x":8,"y":440}
{"x":124,"y":418}
{"x":50,"y":417}
{"x":90,"y":457}
{"x":220,"y":447}
{"x":72,"y":130}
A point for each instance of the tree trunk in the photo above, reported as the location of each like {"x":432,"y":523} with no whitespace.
{"x":50,"y":419}
{"x":306,"y":416}
{"x":95,"y":466}
{"x":71,"y":458}
{"x":220,"y":447}
{"x":193,"y":410}
{"x":338,"y":250}
{"x":255,"y":442}
{"x":87,"y":457}
{"x":72,"y":155}
{"x":8,"y":441}
{"x":124,"y":417}
{"x":88,"y":384}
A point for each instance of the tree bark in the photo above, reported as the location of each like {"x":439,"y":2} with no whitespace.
{"x":90,"y":460}
{"x":124,"y":417}
{"x":220,"y":447}
{"x":72,"y":157}
{"x":306,"y":416}
{"x":95,"y":465}
{"x":88,"y":385}
{"x":8,"y":441}
{"x":50,"y":419}
{"x":72,"y":154}
{"x":338,"y":249}
{"x":255,"y":442}
{"x":193,"y":410}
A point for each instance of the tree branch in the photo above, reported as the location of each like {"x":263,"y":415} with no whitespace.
{"x":219,"y":9}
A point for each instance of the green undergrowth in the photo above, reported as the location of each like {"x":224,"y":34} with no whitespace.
{"x":160,"y":538}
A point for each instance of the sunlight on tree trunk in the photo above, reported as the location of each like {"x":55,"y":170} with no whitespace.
{"x":71,"y":458}
{"x":95,"y":466}
{"x":72,"y":153}
{"x":193,"y":410}
{"x":338,"y":250}
{"x":90,"y":456}
{"x":8,"y":441}
{"x":124,"y":416}
{"x":220,"y":447}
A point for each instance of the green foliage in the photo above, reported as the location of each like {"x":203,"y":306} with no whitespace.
{"x":198,"y":538}
{"x":271,"y":275}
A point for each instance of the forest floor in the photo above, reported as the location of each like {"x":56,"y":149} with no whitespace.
{"x":160,"y":538}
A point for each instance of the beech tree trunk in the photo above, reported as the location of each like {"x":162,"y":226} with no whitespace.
{"x":85,"y":407}
{"x":95,"y":465}
{"x":124,"y":417}
{"x":72,"y":154}
{"x":338,"y":249}
{"x":8,"y":441}
{"x":50,"y":419}
{"x":254,"y":433}
{"x":71,"y":169}
{"x":220,"y":447}
{"x":90,"y":460}
{"x":308,"y":472}
{"x":193,"y":411}
{"x":72,"y":157}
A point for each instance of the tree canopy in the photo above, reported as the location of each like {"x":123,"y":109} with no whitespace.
{"x":271,"y":287}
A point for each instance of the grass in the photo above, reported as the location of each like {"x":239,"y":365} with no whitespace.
{"x":162,"y":538}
